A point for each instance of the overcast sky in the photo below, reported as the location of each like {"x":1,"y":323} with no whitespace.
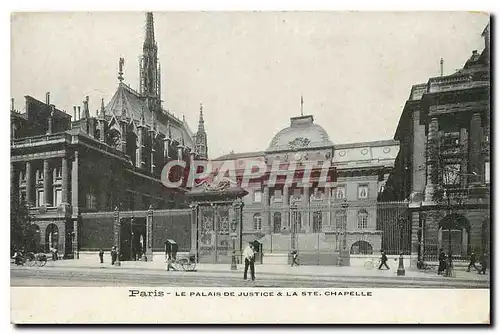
{"x":354,"y":69}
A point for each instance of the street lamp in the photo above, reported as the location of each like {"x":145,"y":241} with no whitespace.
{"x":293,"y":208}
{"x":234,"y":224}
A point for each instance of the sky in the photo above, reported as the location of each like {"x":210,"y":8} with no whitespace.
{"x":249,"y":69}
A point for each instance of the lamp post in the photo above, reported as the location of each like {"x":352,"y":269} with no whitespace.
{"x":343,"y":252}
{"x":73,"y":244}
{"x":233,"y":237}
{"x":293,"y":208}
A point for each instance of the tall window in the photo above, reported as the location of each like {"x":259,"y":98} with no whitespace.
{"x":451,"y":174}
{"x":340,"y":192}
{"x":362,"y":191}
{"x":362,"y":219}
{"x":278,"y":195}
{"x":487,"y":172}
{"x":39,"y":198}
{"x":277,"y":222}
{"x":57,"y":197}
{"x":257,"y":196}
{"x":257,"y":221}
{"x":341,"y":219}
{"x":317,"y":222}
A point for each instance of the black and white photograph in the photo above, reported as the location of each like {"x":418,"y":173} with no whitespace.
{"x":327,"y":155}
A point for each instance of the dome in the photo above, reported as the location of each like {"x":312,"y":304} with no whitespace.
{"x":302,"y":133}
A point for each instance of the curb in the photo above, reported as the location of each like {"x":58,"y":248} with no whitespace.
{"x":437,"y":279}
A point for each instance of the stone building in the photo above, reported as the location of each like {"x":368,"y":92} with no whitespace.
{"x":358,"y":172}
{"x":443,"y":166}
{"x":63,"y":167}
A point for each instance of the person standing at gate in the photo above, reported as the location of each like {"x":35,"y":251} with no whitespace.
{"x":295,"y":256}
{"x":472,"y":262}
{"x":483,"y":260}
{"x":114,"y":254}
{"x":442,"y":261}
{"x":383,"y":261}
{"x":101,"y":255}
{"x":249,"y":256}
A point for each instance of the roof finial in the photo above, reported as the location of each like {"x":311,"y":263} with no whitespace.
{"x":441,"y":65}
{"x":301,"y":105}
{"x":102,"y":108}
{"x":120,"y":70}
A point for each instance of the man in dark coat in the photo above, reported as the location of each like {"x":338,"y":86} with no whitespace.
{"x":114,"y":254}
{"x":295,"y":256}
{"x":101,"y":255}
{"x":442,"y":261}
{"x":483,"y":260}
{"x":472,"y":262}
{"x":383,"y":261}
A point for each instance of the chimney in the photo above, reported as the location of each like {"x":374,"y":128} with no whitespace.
{"x":474,"y":53}
{"x":74,"y":113}
{"x":47,"y":98}
{"x":79,"y":114}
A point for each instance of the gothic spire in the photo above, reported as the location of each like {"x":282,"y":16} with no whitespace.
{"x":201,"y":148}
{"x":201,"y":123}
{"x":103,"y":113}
{"x":149,"y":71}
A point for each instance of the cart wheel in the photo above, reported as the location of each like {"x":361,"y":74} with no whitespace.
{"x":30,"y":259}
{"x":369,"y":264}
{"x":191,"y":266}
{"x":42,"y":262}
{"x":183,"y":263}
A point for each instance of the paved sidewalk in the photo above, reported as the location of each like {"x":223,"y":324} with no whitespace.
{"x":311,"y":271}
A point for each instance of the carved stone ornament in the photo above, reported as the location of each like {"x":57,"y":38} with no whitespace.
{"x":299,"y":143}
{"x":219,"y":183}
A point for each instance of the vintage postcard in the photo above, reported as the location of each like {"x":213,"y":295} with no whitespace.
{"x":250,"y":167}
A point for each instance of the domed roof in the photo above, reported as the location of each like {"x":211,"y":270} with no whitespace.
{"x":301,"y":134}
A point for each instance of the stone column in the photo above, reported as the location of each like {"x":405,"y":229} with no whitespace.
{"x":65,"y":180}
{"x":138,"y":162}
{"x":149,"y":234}
{"x":266,"y":215}
{"x":61,"y":246}
{"x":47,"y":184}
{"x":152,"y":155}
{"x":101,"y":130}
{"x":76,"y":244}
{"x":475,"y":157}
{"x":194,"y":230}
{"x":116,"y":234}
{"x":464,"y":148}
{"x":29,"y":184}
{"x":432,"y":137}
{"x":415,"y":230}
{"x":14,"y":181}
{"x":124,"y":137}
{"x":74,"y":185}
{"x":285,"y":216}
{"x":307,"y":212}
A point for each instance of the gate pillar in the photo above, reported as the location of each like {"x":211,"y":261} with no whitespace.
{"x":194,"y":230}
{"x":149,"y":234}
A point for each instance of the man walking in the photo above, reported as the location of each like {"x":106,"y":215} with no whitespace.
{"x":483,"y":260}
{"x":383,"y":261}
{"x":442,"y":262}
{"x":249,"y":256}
{"x":472,"y":262}
{"x":114,"y":254}
{"x":101,"y":255}
{"x":295,"y":256}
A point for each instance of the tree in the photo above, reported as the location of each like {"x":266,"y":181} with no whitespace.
{"x":20,"y":231}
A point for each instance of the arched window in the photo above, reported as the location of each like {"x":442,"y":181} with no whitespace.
{"x":257,"y":221}
{"x":341,"y":219}
{"x":317,"y":222}
{"x":277,"y":222}
{"x":361,"y":247}
{"x":362,"y":219}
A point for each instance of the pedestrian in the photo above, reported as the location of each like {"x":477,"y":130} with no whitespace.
{"x":249,"y":256}
{"x":18,"y":258}
{"x":295,"y":257}
{"x":101,"y":255}
{"x":483,"y":260}
{"x":113,"y":255}
{"x":472,"y":262}
{"x":383,"y":261}
{"x":442,"y":262}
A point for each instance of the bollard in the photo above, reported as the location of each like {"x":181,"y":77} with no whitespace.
{"x":233,"y":261}
{"x":401,"y":267}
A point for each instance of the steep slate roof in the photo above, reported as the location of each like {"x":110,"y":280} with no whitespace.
{"x":128,"y":100}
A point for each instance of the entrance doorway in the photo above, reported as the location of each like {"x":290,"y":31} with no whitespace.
{"x":132,"y":239}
